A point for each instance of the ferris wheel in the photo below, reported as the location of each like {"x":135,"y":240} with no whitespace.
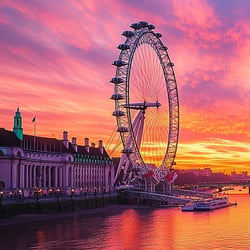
{"x":146,"y":105}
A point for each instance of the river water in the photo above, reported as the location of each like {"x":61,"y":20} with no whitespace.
{"x":129,"y":227}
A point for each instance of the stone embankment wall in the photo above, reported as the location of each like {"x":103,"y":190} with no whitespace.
{"x":58,"y":204}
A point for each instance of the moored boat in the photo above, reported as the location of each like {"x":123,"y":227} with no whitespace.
{"x":212,"y":204}
{"x":208,"y":204}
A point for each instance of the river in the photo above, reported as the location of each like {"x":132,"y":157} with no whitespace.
{"x":134,"y":227}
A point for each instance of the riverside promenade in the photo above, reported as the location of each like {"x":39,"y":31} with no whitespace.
{"x":38,"y":208}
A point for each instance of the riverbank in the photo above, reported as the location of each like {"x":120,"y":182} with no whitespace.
{"x":33,"y":218}
{"x":46,"y":207}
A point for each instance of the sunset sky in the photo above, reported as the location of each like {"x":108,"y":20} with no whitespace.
{"x":56,"y":63}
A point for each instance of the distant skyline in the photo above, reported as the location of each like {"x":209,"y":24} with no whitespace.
{"x":56,"y":64}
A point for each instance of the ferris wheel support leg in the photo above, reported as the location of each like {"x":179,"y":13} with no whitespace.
{"x":120,"y":166}
{"x":126,"y":167}
{"x":140,"y":127}
{"x":124,"y":161}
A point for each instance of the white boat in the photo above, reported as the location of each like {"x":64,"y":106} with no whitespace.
{"x":208,"y":204}
{"x":212,"y":204}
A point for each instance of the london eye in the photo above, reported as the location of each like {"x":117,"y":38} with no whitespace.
{"x":146,"y":106}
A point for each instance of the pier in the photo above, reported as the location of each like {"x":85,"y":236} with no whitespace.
{"x":176,"y":197}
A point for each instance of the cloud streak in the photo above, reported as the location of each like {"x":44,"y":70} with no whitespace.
{"x":56,"y":61}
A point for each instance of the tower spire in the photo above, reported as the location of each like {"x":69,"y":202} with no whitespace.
{"x":17,"y":128}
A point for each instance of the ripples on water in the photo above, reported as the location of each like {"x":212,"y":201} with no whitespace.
{"x":138,"y":228}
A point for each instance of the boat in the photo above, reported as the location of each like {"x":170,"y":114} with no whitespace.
{"x":208,"y":204}
{"x":212,"y":204}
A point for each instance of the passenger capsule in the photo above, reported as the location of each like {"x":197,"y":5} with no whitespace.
{"x":143,"y":24}
{"x":151,"y":26}
{"x":128,"y":33}
{"x":122,"y":129}
{"x":123,"y":46}
{"x":116,"y":80}
{"x":117,"y":97}
{"x":164,"y":47}
{"x":119,"y":63}
{"x":170,"y":64}
{"x":118,"y":113}
{"x":158,"y":35}
{"x":135,"y":26}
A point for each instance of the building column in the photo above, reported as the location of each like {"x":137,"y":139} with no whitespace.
{"x":56,"y":176}
{"x":69,"y":177}
{"x":49,"y":178}
{"x":81,"y":176}
{"x":13,"y":177}
{"x":27,"y":176}
{"x":30,"y":176}
{"x":44,"y":177}
{"x":65,"y":171}
{"x":34,"y":176}
{"x":78,"y":176}
{"x":40,"y":176}
{"x":21,"y":176}
{"x":72,"y":177}
{"x":60,"y":177}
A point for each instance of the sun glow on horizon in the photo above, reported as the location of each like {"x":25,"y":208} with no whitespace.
{"x":57,"y":67}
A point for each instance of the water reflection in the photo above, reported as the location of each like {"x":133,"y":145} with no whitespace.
{"x":140,"y":228}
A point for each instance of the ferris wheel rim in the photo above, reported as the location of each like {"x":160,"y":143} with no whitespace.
{"x":124,"y":64}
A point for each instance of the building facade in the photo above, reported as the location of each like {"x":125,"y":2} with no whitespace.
{"x":31,"y":164}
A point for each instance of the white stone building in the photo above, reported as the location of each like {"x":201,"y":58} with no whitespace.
{"x":31,"y":164}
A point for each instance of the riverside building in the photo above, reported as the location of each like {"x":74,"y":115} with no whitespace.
{"x":31,"y":164}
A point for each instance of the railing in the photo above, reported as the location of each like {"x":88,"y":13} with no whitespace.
{"x":157,"y":197}
{"x":192,"y":193}
{"x":52,"y":198}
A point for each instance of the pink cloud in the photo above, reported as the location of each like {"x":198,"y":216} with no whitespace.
{"x":56,"y":61}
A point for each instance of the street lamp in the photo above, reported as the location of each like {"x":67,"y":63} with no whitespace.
{"x":86,"y":189}
{"x":20,"y":193}
{"x":95,"y":198}
{"x":50,"y":191}
{"x":103,"y":190}
{"x":57,"y":200}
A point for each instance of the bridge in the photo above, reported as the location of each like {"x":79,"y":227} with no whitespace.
{"x":220,"y":185}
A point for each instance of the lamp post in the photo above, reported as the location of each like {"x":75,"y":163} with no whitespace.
{"x":86,"y":189}
{"x":95,"y":198}
{"x":1,"y":204}
{"x":19,"y":193}
{"x":72,"y":199}
{"x":86,"y":201}
{"x":57,"y":200}
{"x":103,"y":190}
